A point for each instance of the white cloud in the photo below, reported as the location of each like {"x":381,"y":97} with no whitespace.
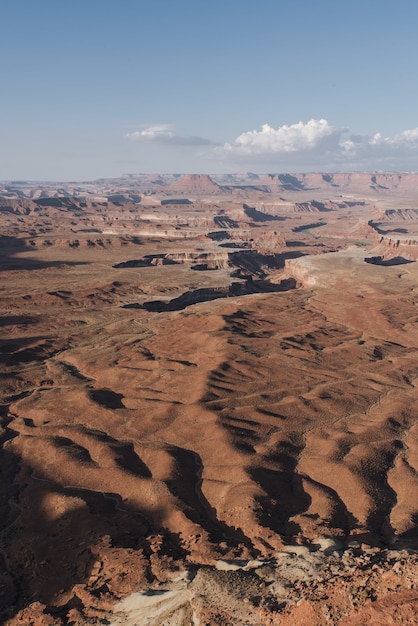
{"x":163,"y":133}
{"x":294,"y":138}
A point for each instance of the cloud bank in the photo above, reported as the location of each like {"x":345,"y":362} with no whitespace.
{"x":303,"y":146}
{"x":317,"y":143}
{"x":378,"y":145}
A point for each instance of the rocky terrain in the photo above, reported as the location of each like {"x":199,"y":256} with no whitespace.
{"x":208,"y":393}
{"x":132,"y":186}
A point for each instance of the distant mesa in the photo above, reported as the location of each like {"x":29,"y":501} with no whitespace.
{"x":286,"y":182}
{"x":141,"y":187}
{"x":358,"y":182}
{"x":156,"y":179}
{"x":197,"y":184}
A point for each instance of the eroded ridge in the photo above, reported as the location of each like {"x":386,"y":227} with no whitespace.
{"x":325,"y":419}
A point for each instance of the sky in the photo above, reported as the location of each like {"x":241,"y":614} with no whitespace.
{"x":100,"y":88}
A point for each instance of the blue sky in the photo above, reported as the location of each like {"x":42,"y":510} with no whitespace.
{"x":99,"y":88}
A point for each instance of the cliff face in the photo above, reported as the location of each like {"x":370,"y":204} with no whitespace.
{"x":390,"y":247}
{"x":302,"y":270}
{"x":403,"y":215}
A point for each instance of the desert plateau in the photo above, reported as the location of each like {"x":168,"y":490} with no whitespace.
{"x":209,"y":400}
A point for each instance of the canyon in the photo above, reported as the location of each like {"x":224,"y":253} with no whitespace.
{"x":208,"y":400}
